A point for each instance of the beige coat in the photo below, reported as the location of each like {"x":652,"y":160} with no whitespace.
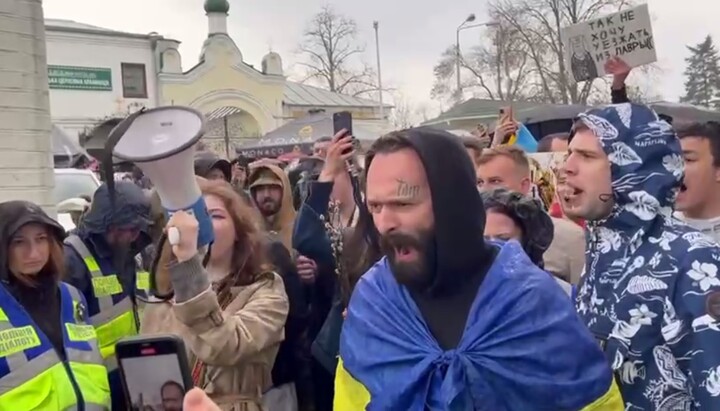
{"x":566,"y":256}
{"x":238,"y":345}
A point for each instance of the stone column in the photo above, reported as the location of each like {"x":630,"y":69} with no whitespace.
{"x":26,"y":165}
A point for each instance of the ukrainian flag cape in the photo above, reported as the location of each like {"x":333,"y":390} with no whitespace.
{"x":524,"y":348}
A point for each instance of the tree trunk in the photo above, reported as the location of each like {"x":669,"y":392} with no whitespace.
{"x":26,"y":165}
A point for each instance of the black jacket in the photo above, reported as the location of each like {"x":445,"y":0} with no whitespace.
{"x":290,"y":358}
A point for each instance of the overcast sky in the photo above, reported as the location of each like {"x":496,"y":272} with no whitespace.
{"x":413,"y":33}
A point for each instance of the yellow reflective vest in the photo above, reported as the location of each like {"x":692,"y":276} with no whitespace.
{"x":351,"y":395}
{"x":118,"y":316}
{"x":32,"y":374}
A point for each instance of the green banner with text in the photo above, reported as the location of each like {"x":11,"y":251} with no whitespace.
{"x":80,"y":78}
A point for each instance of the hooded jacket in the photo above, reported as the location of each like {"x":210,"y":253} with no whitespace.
{"x":461,"y":256}
{"x":131,"y":208}
{"x":43,"y":301}
{"x":650,"y":289}
{"x":282,"y":222}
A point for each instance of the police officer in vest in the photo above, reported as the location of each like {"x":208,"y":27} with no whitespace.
{"x":100,"y":257}
{"x":49,"y":355}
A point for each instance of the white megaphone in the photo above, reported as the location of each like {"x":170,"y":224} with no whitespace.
{"x":161,"y":142}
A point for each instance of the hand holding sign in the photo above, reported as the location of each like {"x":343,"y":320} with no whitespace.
{"x":620,"y":71}
{"x":590,"y":45}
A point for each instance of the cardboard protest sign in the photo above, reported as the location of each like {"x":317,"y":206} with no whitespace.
{"x":544,"y":170}
{"x":590,"y":44}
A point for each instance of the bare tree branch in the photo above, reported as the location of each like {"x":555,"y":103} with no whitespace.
{"x":331,"y":55}
{"x":403,"y":115}
{"x":495,"y":69}
{"x":538,"y":24}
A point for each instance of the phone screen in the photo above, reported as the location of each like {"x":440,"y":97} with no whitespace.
{"x":343,"y":120}
{"x":154,"y":375}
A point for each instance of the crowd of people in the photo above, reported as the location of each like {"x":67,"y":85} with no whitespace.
{"x":426,"y":278}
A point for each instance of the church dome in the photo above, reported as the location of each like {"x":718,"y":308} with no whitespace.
{"x":217,"y":6}
{"x":272,"y":64}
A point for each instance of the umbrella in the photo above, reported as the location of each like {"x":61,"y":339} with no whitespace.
{"x":461,"y":133}
{"x":311,"y":127}
{"x":549,"y":119}
{"x":684,"y":113}
{"x":63,"y":144}
{"x":549,"y":112}
{"x":66,"y":152}
{"x":288,"y":157}
{"x":295,"y":136}
{"x":300,"y":134}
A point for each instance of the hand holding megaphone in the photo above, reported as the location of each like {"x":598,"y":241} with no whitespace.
{"x":182,"y":232}
{"x":197,"y":400}
{"x":161,"y":142}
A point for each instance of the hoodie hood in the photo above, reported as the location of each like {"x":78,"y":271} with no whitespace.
{"x":460,"y":248}
{"x":131,"y":209}
{"x":646,"y":164}
{"x":13,"y":216}
{"x":650,"y":281}
{"x":282,"y":222}
{"x":646,"y":172}
{"x":206,"y":161}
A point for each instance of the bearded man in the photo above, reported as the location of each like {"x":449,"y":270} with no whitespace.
{"x":447,"y":320}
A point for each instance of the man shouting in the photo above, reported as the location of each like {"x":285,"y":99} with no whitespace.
{"x":447,"y":320}
{"x":650,"y":293}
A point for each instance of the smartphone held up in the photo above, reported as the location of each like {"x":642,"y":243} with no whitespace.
{"x":343,"y":121}
{"x":155,"y":372}
{"x":508,"y":125}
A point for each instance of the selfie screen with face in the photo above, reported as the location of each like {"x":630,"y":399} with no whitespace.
{"x":154,"y":382}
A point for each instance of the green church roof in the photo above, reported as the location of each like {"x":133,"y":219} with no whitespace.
{"x":217,"y":6}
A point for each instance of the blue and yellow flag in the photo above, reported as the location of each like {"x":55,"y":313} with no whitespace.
{"x":524,"y":139}
{"x":524,"y":348}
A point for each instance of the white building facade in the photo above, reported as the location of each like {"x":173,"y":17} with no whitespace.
{"x":96,"y":74}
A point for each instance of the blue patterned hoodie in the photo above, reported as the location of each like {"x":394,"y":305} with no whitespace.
{"x":650,"y":292}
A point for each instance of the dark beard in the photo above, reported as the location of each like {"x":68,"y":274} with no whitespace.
{"x":416,"y":275}
{"x":269,"y":208}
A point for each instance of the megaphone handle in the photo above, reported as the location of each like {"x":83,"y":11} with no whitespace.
{"x":173,"y":236}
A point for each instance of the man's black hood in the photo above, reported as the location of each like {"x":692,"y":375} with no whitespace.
{"x":460,"y":248}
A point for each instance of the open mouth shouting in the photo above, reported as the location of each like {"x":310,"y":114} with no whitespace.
{"x":405,"y":254}
{"x":682,"y":195}
{"x":571,"y":195}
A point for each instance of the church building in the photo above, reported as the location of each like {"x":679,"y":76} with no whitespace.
{"x":241,"y":103}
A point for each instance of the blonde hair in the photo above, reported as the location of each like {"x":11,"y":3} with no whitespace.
{"x":517,"y":155}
